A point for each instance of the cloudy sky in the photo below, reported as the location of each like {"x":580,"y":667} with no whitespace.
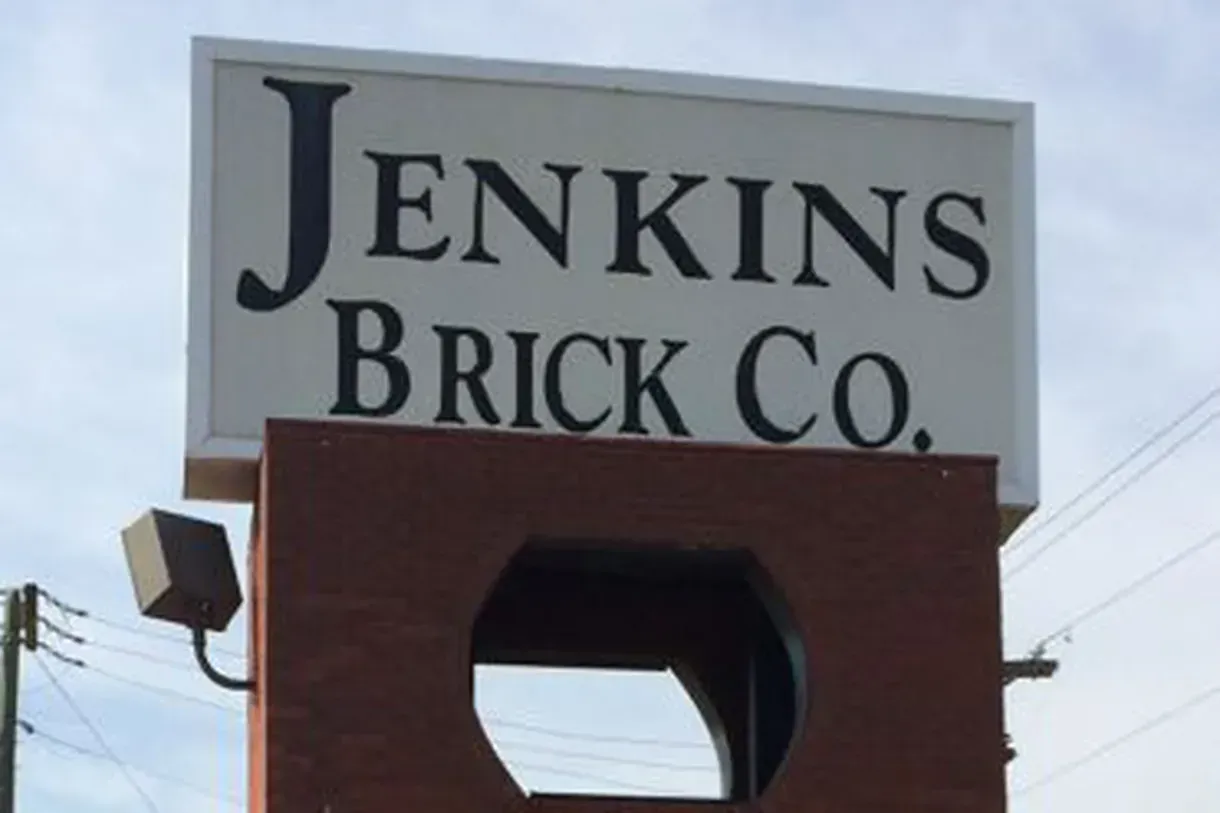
{"x":93,"y":201}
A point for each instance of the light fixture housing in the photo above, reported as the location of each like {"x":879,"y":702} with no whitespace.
{"x":182,"y":570}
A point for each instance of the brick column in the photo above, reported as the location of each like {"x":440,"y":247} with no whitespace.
{"x":376,"y":547}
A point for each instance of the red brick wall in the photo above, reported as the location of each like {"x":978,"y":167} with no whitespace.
{"x":256,"y":728}
{"x":377,"y":546}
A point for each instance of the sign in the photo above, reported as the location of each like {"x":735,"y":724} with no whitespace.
{"x":475,"y":244}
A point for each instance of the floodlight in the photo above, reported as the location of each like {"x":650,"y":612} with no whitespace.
{"x":182,"y":571}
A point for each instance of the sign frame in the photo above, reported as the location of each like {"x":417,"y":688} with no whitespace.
{"x":224,"y":468}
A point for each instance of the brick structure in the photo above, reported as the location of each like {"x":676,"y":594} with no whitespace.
{"x":377,"y":550}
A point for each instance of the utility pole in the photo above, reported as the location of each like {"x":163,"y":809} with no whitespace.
{"x":8,"y":736}
{"x":20,"y":626}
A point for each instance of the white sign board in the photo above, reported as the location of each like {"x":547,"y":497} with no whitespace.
{"x":466,"y":243}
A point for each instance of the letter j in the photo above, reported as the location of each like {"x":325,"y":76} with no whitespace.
{"x":310,"y":108}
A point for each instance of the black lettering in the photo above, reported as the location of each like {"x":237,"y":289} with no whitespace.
{"x":390,"y":203}
{"x":635,"y":386}
{"x":553,"y":384}
{"x":452,"y":377}
{"x":490,"y":175}
{"x":310,"y":114}
{"x":880,"y":261}
{"x":750,"y":229}
{"x":900,"y":401}
{"x":956,"y":244}
{"x":524,"y":344}
{"x":351,"y":353}
{"x":629,"y":225}
{"x":748,"y":402}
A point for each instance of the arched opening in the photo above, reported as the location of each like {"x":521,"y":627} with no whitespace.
{"x":709,"y":622}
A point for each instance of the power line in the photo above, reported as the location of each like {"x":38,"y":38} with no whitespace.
{"x":131,"y":630}
{"x":60,"y":631}
{"x":160,"y":777}
{"x":1106,"y":748}
{"x":183,"y":696}
{"x":576,"y":735}
{"x":43,"y":646}
{"x":97,"y":735}
{"x":1092,"y":512}
{"x":160,"y":636}
{"x":78,"y":612}
{"x":164,"y":691}
{"x":560,"y":752}
{"x":1119,"y":466}
{"x":1127,"y":591}
{"x":80,"y":640}
{"x":144,"y":656}
{"x":590,"y":777}
{"x":186,"y":697}
{"x":66,"y":609}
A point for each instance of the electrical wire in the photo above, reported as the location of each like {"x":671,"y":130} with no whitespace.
{"x":560,"y":752}
{"x":185,"y":697}
{"x":97,"y":735}
{"x":1119,"y":466}
{"x":144,"y":656}
{"x":64,"y":631}
{"x":160,"y":636}
{"x":1125,"y":592}
{"x":1106,"y":748}
{"x":55,"y":629}
{"x":589,"y":777}
{"x":1126,"y":484}
{"x":173,"y":694}
{"x":59,"y":656}
{"x":576,"y":735}
{"x":62,"y":606}
{"x":80,"y":640}
{"x":164,"y":691}
{"x":160,"y":777}
{"x":78,"y":612}
{"x":527,"y":747}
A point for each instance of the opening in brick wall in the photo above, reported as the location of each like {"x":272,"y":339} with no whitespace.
{"x":638,"y":670}
{"x":613,"y":732}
